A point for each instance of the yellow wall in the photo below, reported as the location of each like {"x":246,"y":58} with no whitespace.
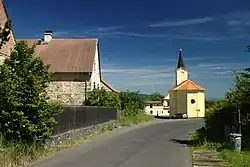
{"x":180,"y":102}
{"x":198,"y":108}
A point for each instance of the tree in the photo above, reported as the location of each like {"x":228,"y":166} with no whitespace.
{"x":25,"y":112}
{"x":156,"y":96}
{"x":132,"y":103}
{"x":5,"y":32}
{"x":240,"y":93}
{"x":103,"y":98}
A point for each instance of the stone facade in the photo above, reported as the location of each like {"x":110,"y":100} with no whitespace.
{"x":69,"y":92}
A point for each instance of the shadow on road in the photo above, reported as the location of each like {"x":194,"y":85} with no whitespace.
{"x":185,"y":142}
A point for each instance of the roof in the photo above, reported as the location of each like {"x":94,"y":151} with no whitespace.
{"x":153,"y":102}
{"x":180,"y":63}
{"x":109,"y":86}
{"x":67,"y":55}
{"x":6,"y":48}
{"x":188,"y":85}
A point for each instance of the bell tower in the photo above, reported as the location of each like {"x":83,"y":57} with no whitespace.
{"x":181,"y":70}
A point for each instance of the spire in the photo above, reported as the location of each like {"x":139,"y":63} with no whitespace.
{"x":180,"y":60}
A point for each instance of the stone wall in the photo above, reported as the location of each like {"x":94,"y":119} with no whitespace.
{"x":70,"y":92}
{"x":79,"y":133}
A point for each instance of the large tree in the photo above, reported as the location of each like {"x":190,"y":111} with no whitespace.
{"x":25,"y":112}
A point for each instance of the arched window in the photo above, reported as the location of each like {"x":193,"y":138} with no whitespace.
{"x":151,"y":112}
{"x":151,"y":105}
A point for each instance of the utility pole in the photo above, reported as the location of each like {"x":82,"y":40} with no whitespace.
{"x":239,"y":118}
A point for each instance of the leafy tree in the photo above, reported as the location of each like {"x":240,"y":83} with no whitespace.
{"x":132,"y":103}
{"x":25,"y":112}
{"x":101,"y":97}
{"x":4,"y":33}
{"x":156,"y":96}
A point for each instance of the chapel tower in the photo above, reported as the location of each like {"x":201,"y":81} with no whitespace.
{"x":181,"y":70}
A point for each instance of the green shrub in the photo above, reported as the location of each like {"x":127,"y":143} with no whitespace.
{"x":26,"y":115}
{"x":101,"y":97}
{"x":132,"y":103}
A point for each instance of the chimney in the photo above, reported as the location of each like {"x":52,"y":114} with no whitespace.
{"x":47,"y":36}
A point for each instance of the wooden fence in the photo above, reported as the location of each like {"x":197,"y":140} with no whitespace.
{"x":79,"y":116}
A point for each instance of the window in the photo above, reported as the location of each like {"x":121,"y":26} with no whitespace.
{"x":192,"y":101}
{"x":151,"y":105}
{"x":98,"y":87}
{"x":94,"y":85}
{"x":151,"y":112}
{"x":168,"y":103}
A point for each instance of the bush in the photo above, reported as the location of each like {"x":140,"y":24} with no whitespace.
{"x":131,"y":104}
{"x":101,"y":97}
{"x":25,"y":114}
{"x":217,"y":117}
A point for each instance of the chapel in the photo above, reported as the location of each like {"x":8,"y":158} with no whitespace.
{"x":186,"y":96}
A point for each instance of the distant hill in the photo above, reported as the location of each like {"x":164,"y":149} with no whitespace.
{"x":145,"y":96}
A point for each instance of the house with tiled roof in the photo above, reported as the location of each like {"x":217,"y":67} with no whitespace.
{"x":186,"y":97}
{"x":5,"y":50}
{"x":75,"y":64}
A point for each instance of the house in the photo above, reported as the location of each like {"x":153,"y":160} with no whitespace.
{"x":186,"y":97}
{"x":5,"y":50}
{"x":75,"y":64}
{"x":105,"y":85}
{"x":157,"y":108}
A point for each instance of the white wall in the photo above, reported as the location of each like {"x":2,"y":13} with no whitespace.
{"x":157,"y":110}
{"x":181,"y":75}
{"x":95,"y":76}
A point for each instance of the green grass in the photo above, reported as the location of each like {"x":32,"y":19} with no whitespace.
{"x":16,"y":155}
{"x":141,"y":118}
{"x":237,"y":159}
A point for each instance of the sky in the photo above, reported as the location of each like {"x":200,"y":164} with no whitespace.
{"x":140,"y":40}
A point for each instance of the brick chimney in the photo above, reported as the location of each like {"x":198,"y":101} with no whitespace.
{"x":47,"y":36}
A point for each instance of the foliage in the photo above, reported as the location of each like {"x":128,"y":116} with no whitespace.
{"x":132,"y":103}
{"x":101,"y":97}
{"x":156,"y":96}
{"x":5,"y":32}
{"x":26,"y":115}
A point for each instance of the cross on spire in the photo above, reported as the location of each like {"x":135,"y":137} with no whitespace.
{"x":180,"y":63}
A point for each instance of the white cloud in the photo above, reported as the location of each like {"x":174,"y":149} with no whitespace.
{"x":182,"y":22}
{"x":162,"y":78}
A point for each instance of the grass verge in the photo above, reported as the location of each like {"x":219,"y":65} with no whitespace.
{"x":16,"y":155}
{"x":141,"y":118}
{"x":236,"y":159}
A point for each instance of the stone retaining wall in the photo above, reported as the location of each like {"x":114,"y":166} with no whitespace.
{"x":74,"y":134}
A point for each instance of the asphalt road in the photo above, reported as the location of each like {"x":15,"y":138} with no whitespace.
{"x":149,"y":145}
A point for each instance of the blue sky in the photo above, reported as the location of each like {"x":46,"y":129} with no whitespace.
{"x":140,"y":40}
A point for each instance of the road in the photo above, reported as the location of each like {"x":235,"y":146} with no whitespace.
{"x":149,"y":145}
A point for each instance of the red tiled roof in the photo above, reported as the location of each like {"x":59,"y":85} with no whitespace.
{"x":67,"y":55}
{"x":109,"y":86}
{"x":188,"y":85}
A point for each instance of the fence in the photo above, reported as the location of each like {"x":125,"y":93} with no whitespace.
{"x":75,"y":117}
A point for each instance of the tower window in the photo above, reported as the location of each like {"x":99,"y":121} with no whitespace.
{"x":192,"y":101}
{"x":151,"y":105}
{"x":94,"y":85}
